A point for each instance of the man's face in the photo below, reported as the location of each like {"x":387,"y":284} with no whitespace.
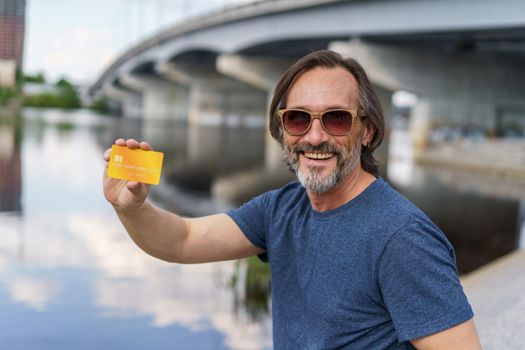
{"x":321,"y":160}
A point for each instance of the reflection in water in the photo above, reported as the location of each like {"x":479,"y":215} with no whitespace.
{"x":251,"y":286}
{"x":134,"y":284}
{"x":125,"y":283}
{"x":33,"y":292}
{"x":80,"y":274}
{"x":10,"y":164}
{"x":478,"y":216}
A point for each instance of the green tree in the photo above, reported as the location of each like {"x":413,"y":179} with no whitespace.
{"x":67,"y":97}
{"x":38,"y":78}
{"x":6,"y":94}
{"x":100,"y":105}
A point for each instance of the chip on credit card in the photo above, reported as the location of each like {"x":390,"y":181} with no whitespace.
{"x":135,"y":164}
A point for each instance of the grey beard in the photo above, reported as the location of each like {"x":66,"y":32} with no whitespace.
{"x":313,"y":182}
{"x":311,"y":179}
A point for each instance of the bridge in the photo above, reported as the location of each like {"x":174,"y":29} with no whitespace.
{"x":464,"y":59}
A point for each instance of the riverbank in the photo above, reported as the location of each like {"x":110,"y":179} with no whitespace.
{"x":496,"y":293}
{"x":498,"y":157}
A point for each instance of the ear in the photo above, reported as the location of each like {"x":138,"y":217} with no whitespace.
{"x":368,"y":134}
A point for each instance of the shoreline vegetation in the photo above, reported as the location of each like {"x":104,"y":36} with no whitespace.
{"x":61,"y":94}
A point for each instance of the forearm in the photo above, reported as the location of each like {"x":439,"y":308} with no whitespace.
{"x":156,"y":231}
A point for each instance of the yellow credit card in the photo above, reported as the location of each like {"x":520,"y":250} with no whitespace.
{"x":135,"y":165}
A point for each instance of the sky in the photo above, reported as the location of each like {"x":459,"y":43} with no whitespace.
{"x":78,"y":39}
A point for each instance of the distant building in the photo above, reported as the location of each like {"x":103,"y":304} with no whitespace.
{"x":12,"y":27}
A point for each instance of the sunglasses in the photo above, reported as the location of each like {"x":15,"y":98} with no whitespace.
{"x":336,"y":122}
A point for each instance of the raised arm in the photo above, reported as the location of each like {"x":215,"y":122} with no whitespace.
{"x":170,"y":237}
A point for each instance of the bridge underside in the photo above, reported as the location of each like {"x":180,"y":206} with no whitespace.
{"x":464,"y":66}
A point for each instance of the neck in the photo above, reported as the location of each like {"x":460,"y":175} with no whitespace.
{"x":346,"y":190}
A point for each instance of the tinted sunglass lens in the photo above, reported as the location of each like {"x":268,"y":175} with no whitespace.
{"x":296,"y":122}
{"x":337,"y":122}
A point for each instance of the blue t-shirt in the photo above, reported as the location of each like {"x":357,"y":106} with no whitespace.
{"x":371,"y":274}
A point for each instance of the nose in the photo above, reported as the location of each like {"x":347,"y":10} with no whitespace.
{"x":316,"y":135}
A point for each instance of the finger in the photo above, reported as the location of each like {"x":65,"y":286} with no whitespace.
{"x":132,"y":143}
{"x":133,"y":186}
{"x":145,"y":146}
{"x":107,"y":154}
{"x":120,"y":142}
{"x":136,"y":187}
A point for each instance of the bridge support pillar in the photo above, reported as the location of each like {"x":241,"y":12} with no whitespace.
{"x":261,"y":73}
{"x":161,"y":99}
{"x":215,"y":99}
{"x":212,"y":105}
{"x":130,"y":101}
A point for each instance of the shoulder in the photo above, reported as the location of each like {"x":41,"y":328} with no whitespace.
{"x":410,"y":222}
{"x":387,"y":219}
{"x":274,"y":201}
{"x":386,"y":199}
{"x":388,"y":209}
{"x":258,"y":216}
{"x":291,"y":192}
{"x":288,"y":195}
{"x":419,"y":281}
{"x":412,"y":237}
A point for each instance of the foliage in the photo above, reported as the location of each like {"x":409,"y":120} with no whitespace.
{"x":64,"y":84}
{"x":100,"y":105}
{"x":38,"y":78}
{"x":67,"y":97}
{"x":6,"y":94}
{"x":254,"y":295}
{"x":51,"y":100}
{"x":9,"y":93}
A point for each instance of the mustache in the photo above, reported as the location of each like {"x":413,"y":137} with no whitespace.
{"x":324,"y":147}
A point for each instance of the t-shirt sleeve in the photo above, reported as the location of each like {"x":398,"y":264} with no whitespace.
{"x":418,"y":279}
{"x":250,"y":217}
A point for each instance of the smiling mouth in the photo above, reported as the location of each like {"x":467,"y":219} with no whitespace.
{"x":318,"y":156}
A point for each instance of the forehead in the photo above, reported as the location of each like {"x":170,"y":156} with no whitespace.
{"x":322,"y":88}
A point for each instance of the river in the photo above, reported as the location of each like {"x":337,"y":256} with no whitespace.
{"x":70,"y":277}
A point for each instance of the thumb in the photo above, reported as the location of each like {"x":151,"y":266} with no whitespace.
{"x":133,"y":186}
{"x":136,"y":187}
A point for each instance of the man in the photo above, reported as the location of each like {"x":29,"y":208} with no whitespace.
{"x":354,"y":265}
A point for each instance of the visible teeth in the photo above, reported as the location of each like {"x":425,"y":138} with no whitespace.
{"x":318,"y":155}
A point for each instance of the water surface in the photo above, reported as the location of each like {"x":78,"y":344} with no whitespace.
{"x":70,"y":277}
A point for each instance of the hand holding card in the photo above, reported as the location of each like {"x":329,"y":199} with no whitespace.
{"x":135,"y":165}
